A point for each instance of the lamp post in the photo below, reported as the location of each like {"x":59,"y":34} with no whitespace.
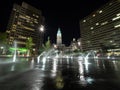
{"x":79,"y":45}
{"x":42,"y":28}
{"x":2,"y":49}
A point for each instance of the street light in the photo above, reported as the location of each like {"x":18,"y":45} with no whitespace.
{"x":42,"y":28}
{"x":79,"y":43}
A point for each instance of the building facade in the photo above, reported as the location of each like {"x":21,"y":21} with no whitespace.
{"x":101,"y":29}
{"x":24,"y":22}
{"x":59,"y":37}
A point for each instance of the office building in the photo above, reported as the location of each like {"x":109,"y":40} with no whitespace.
{"x":101,"y":29}
{"x":24,"y":22}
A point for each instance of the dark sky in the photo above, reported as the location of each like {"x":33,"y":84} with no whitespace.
{"x":58,"y":13}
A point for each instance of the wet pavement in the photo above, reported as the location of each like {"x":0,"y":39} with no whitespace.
{"x":61,"y":74}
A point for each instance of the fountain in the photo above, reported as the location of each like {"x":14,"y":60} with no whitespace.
{"x":14,"y":56}
{"x":82,"y":58}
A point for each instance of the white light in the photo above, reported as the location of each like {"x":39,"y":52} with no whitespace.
{"x":55,"y":46}
{"x":84,"y":20}
{"x":97,"y":23}
{"x":93,"y":15}
{"x":108,"y":57}
{"x":104,"y":23}
{"x":41,"y":28}
{"x":100,"y":11}
{"x":115,"y":18}
{"x":91,"y":28}
{"x":1,"y":47}
{"x":79,"y":43}
{"x":111,"y":41}
{"x":118,"y":14}
{"x":54,"y":65}
{"x":44,"y":63}
{"x":117,"y":26}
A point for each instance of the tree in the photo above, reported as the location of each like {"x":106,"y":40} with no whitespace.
{"x":42,"y":48}
{"x":47,"y":44}
{"x":3,"y":42}
{"x":3,"y":38}
{"x":29,"y":43}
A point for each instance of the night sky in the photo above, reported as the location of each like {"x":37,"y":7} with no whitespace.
{"x":65,"y":14}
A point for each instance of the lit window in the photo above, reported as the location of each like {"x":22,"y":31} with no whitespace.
{"x":37,"y":16}
{"x":100,"y":11}
{"x":118,"y":14}
{"x":111,"y":41}
{"x":117,"y":26}
{"x":114,"y":44}
{"x":115,"y":18}
{"x":84,"y":20}
{"x":19,"y":23}
{"x":104,"y":23}
{"x":91,"y":28}
{"x":33,"y":14}
{"x":93,"y":15}
{"x":97,"y":23}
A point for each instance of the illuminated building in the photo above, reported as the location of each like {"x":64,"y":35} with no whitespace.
{"x":59,"y":37}
{"x":101,"y":29}
{"x":24,"y":22}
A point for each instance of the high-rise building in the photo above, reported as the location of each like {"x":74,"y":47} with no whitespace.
{"x":59,"y":37}
{"x":25,"y":21}
{"x":101,"y":29}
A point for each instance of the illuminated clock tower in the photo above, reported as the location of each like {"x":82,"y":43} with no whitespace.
{"x":59,"y":37}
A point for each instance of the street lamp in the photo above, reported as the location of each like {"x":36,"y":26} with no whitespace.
{"x":40,"y":35}
{"x":42,"y":28}
{"x":79,"y":43}
{"x":2,"y":49}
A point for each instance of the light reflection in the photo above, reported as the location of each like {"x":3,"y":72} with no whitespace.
{"x":81,"y":72}
{"x":86,"y":63}
{"x":32,"y":63}
{"x":67,"y":60}
{"x":14,"y":56}
{"x":59,"y":81}
{"x":80,"y":57}
{"x":35,"y":87}
{"x":39,"y":57}
{"x":108,"y":57}
{"x":103,"y":64}
{"x":44,"y":62}
{"x":54,"y":65}
{"x":38,"y":60}
{"x":83,"y":81}
{"x":97,"y":62}
{"x":89,"y":80}
{"x":13,"y":67}
{"x":81,"y":69}
{"x":115,"y":65}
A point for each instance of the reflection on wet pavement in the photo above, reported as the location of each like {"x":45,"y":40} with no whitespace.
{"x":63,"y":74}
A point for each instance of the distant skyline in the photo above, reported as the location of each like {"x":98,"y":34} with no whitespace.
{"x":58,"y":14}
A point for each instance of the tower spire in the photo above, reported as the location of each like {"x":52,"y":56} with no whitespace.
{"x":59,"y":37}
